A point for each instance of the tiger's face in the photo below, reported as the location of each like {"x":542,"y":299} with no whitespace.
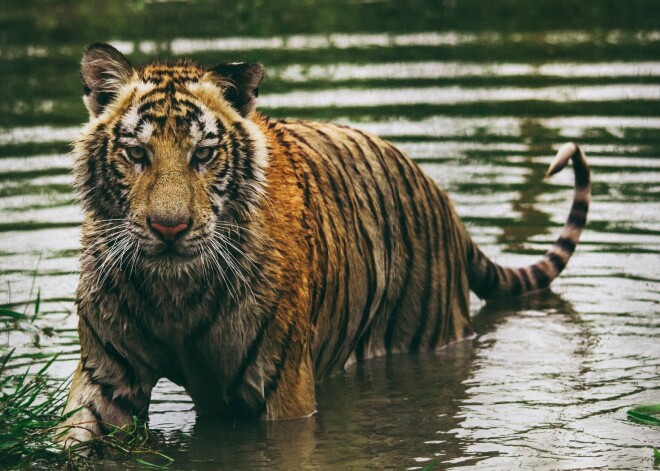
{"x":168,"y":163}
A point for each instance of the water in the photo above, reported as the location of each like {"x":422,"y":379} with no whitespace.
{"x":481,"y":95}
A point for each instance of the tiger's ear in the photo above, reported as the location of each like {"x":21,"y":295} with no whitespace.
{"x":103,"y":70}
{"x":243,"y":89}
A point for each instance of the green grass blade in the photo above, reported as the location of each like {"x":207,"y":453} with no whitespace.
{"x":149,"y":464}
{"x":4,"y":360}
{"x":17,"y":316}
{"x":647,"y":415}
{"x":37,"y":303}
{"x":42,"y":371}
{"x":34,"y":280}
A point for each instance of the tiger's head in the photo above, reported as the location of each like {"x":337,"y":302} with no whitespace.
{"x":169,"y":160}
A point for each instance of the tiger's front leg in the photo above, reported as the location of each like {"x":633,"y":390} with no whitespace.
{"x":105,"y":392}
{"x":293,"y":396}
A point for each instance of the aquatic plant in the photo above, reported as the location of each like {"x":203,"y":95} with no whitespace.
{"x":647,"y":415}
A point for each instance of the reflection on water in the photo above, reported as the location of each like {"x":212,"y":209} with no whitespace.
{"x":481,"y":95}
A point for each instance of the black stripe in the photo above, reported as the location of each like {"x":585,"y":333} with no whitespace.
{"x":516,"y":286}
{"x":221,"y":173}
{"x":104,"y":428}
{"x":221,"y":192}
{"x":231,"y":183}
{"x":111,"y":190}
{"x":451,"y":256}
{"x":444,"y":318}
{"x":253,"y":350}
{"x":339,"y":339}
{"x":187,"y":106}
{"x":156,"y":94}
{"x":321,"y":245}
{"x":89,"y":185}
{"x":107,"y":392}
{"x":147,"y":106}
{"x":247,"y":150}
{"x":408,"y":251}
{"x":486,"y":275}
{"x":123,"y":402}
{"x":271,"y":388}
{"x":92,"y":408}
{"x":394,"y":313}
{"x":192,"y":114}
{"x":542,"y":279}
{"x":112,"y":352}
{"x":410,"y":193}
{"x":108,"y":196}
{"x":567,"y":245}
{"x":527,"y":282}
{"x":160,"y":121}
{"x":556,"y":261}
{"x":491,"y":280}
{"x":580,"y":205}
{"x":582,"y":177}
{"x":170,"y":88}
{"x":117,"y":173}
{"x":429,"y":260}
{"x":577,"y":220}
{"x":138,"y":128}
{"x":237,"y":155}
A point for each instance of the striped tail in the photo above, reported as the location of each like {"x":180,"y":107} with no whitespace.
{"x":489,"y":280}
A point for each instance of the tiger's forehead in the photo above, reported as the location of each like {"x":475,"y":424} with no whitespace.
{"x":181,"y":72}
{"x":171,"y":83}
{"x":172,"y":100}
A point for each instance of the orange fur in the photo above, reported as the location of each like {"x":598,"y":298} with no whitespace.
{"x":299,"y":247}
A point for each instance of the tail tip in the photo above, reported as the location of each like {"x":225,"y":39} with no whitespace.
{"x":564,"y":154}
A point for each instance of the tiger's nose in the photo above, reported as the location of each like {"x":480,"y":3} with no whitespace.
{"x":169,"y":233}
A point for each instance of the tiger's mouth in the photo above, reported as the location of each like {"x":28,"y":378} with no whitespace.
{"x":173,"y":252}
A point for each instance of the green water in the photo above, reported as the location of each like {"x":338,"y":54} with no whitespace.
{"x":481,"y":94}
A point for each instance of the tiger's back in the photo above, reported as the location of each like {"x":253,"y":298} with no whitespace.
{"x":389,"y":249}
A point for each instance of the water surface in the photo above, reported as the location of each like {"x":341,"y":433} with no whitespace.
{"x":481,"y":95}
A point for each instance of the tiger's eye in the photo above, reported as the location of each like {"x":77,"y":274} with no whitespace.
{"x":203,"y":153}
{"x":136,"y":153}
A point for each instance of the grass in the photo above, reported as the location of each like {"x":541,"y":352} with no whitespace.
{"x":29,"y":411}
{"x":31,"y":419}
{"x":647,"y":415}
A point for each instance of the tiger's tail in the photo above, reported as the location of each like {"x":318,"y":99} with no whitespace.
{"x":489,"y":280}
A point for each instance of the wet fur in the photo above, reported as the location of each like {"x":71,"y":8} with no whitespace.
{"x":327,"y":246}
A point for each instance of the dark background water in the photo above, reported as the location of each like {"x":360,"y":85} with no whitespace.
{"x":481,"y":94}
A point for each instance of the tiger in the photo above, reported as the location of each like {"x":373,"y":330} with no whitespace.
{"x":245,"y":258}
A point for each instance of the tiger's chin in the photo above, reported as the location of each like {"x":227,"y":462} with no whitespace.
{"x":167,"y":257}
